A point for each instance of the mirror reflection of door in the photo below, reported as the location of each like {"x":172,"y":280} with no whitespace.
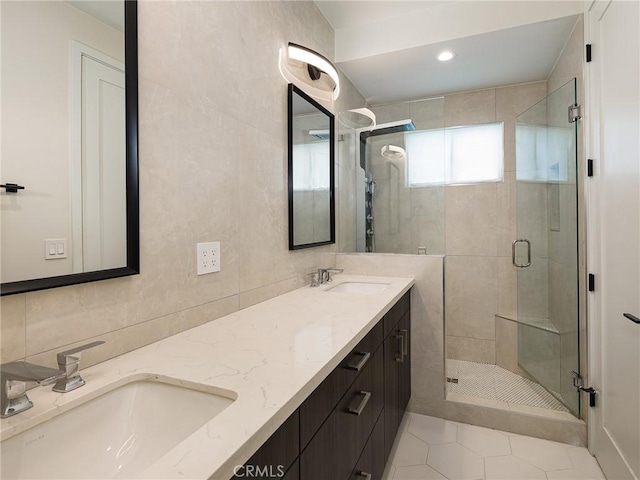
{"x":103,"y":168}
{"x":63,"y":138}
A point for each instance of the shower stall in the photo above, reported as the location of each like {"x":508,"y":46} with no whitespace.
{"x":419,"y":190}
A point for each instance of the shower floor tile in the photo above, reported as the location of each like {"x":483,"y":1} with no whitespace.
{"x":496,"y":383}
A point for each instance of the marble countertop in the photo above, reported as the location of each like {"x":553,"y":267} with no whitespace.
{"x":271,"y":355}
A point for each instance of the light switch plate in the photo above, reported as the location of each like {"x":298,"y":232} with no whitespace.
{"x":208,"y":260}
{"x":55,"y":248}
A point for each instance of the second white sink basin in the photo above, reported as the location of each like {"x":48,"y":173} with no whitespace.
{"x":364,"y":288}
{"x":118,"y":434}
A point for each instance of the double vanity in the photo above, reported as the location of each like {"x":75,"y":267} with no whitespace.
{"x":309,"y":384}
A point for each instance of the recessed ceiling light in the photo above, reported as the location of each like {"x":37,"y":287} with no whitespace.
{"x":446,"y":56}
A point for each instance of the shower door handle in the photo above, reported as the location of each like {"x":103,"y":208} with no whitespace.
{"x":513,"y":253}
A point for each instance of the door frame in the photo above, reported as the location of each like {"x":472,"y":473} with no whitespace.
{"x":599,"y":443}
{"x":79,"y":50}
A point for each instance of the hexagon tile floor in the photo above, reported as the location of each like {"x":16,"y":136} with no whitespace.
{"x":429,"y":448}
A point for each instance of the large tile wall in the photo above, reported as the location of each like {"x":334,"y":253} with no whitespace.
{"x":481,"y":224}
{"x":473,"y":225}
{"x":213,"y":156}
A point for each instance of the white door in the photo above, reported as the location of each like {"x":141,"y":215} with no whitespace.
{"x":104,"y":242}
{"x":614,"y":31}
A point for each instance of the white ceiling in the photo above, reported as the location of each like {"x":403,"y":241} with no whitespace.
{"x":110,"y":12}
{"x":521,"y":54}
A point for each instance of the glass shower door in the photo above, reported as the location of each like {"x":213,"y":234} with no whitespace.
{"x":545,"y":251}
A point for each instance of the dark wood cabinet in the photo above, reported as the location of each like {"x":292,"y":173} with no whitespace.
{"x":336,"y":447}
{"x":315,"y":409}
{"x":372,"y":460}
{"x":392,"y":354}
{"x":404,"y":376}
{"x":397,"y":370}
{"x":345,"y":429}
{"x":277,"y":455}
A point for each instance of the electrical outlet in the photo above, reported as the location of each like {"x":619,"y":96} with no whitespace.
{"x":208,"y":260}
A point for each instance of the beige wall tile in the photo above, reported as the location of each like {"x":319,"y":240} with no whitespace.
{"x":507,"y":287}
{"x":130,"y":338}
{"x":392,"y":112}
{"x":12,"y":319}
{"x":471,"y":349}
{"x":212,"y":118}
{"x":506,"y":214}
{"x":471,"y":297}
{"x":260,"y":294}
{"x":507,"y":346}
{"x":471,"y":225}
{"x":427,"y":114}
{"x":470,"y":108}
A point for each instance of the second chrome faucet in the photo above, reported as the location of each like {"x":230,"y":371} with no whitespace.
{"x":323,"y":275}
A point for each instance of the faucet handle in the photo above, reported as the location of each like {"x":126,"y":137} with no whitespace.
{"x":69,"y":361}
{"x":314,"y":279}
{"x":17,"y":378}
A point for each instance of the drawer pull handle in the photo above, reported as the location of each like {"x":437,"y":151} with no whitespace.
{"x":405,"y":344}
{"x":400,"y":357}
{"x":363,"y":361}
{"x":365,"y":475}
{"x":363,"y":403}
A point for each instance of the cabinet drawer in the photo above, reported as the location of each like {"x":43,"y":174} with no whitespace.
{"x":394,"y":315}
{"x":317,"y":407}
{"x":372,"y":459}
{"x":336,"y":447}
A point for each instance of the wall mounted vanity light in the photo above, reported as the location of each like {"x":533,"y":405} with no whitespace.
{"x":301,"y":65}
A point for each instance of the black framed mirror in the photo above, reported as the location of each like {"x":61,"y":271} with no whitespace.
{"x":70,"y":138}
{"x":311,"y":172}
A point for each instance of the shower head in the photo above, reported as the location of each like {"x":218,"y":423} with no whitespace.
{"x":393,"y":152}
{"x":320,"y":134}
{"x":392,"y":127}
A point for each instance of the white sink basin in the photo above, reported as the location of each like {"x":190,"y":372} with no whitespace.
{"x":363,"y":288}
{"x":118,"y":434}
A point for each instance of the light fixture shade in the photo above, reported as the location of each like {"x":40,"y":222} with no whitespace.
{"x":298,"y":53}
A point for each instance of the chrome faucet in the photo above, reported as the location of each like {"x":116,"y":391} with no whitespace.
{"x":69,"y":362}
{"x":323,"y":275}
{"x":17,"y":378}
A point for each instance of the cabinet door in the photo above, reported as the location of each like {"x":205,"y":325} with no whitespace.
{"x":404,"y":376}
{"x":392,"y":357}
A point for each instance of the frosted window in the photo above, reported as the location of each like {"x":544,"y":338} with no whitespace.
{"x":311,"y":166}
{"x":455,"y":155}
{"x":543,"y":153}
